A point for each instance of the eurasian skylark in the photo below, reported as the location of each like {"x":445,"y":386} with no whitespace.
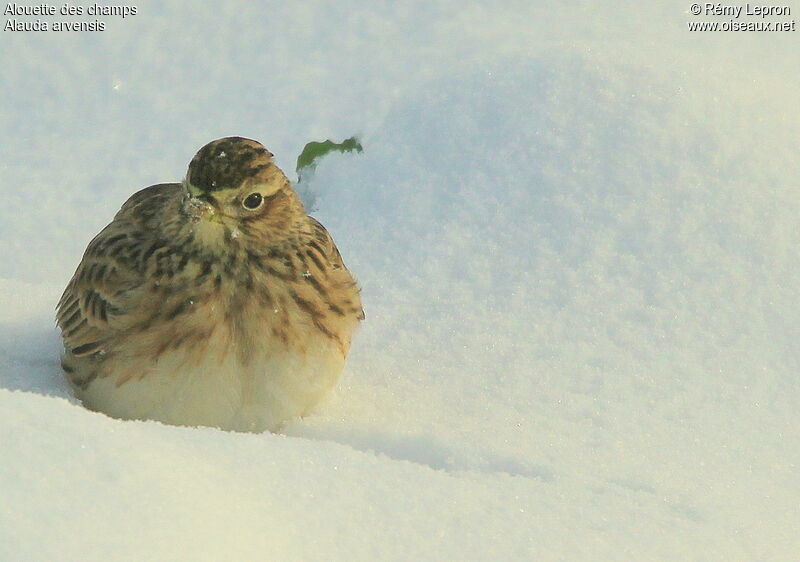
{"x":215,"y":302}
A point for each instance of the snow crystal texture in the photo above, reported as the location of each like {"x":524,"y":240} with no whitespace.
{"x":576,"y":232}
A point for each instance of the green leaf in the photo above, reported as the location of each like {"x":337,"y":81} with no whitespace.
{"x":314,"y":151}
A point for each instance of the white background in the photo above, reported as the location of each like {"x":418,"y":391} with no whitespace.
{"x":576,"y":229}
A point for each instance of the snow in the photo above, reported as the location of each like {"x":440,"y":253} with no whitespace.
{"x":575,"y":229}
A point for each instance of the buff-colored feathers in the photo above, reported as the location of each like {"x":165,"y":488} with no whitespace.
{"x":216,"y":301}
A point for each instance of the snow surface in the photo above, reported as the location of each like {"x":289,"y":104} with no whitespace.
{"x":576,"y":231}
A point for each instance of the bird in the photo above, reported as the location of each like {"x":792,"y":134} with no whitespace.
{"x":217,"y":301}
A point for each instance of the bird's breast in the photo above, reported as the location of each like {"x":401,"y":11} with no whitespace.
{"x":227,"y":359}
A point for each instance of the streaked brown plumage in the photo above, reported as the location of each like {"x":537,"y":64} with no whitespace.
{"x":216,"y":301}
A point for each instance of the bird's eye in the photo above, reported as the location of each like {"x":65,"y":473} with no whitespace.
{"x":253,"y":201}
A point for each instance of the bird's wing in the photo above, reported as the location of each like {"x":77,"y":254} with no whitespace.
{"x":323,"y":243}
{"x":107,"y":289}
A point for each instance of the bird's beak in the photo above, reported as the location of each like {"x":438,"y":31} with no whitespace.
{"x":208,"y":200}
{"x":201,"y":206}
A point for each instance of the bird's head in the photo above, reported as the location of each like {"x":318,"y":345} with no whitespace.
{"x":233,"y":183}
